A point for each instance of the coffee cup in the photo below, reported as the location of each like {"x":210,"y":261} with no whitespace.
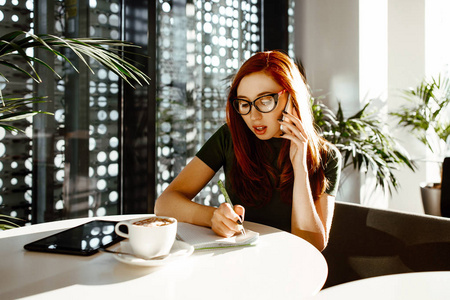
{"x":151,"y":236}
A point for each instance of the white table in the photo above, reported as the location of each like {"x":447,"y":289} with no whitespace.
{"x":281,"y":265}
{"x":411,"y":286}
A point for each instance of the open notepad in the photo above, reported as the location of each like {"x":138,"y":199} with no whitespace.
{"x":204,"y":238}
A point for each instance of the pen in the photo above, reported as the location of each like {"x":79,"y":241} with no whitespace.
{"x":227,"y":199}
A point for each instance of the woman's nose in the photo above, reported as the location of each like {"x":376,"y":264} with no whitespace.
{"x":255,"y":114}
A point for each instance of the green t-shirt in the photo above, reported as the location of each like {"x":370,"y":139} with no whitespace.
{"x":218,"y":152}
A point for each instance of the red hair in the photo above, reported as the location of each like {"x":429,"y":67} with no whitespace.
{"x":252,"y":176}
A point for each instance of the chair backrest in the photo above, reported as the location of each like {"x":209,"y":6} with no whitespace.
{"x":445,"y":188}
{"x":366,"y":242}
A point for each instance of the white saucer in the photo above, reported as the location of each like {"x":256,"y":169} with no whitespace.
{"x":179,"y":250}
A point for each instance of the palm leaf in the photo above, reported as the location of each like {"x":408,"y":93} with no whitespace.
{"x":363,"y":143}
{"x":14,"y":66}
{"x":8,"y":222}
{"x":425,"y":112}
{"x":104,"y":51}
{"x":9,"y":113}
{"x":19,"y":116}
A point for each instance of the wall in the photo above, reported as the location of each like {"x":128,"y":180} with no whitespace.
{"x":327,"y":44}
{"x":339,"y":58}
{"x":406,"y":51}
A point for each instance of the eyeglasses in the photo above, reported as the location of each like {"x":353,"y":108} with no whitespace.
{"x":264,"y":104}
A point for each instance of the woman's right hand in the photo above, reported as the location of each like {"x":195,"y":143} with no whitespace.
{"x":224,"y":220}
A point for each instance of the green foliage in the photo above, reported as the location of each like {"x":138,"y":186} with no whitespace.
{"x":8,"y":222}
{"x":426,"y":112}
{"x":106,"y":52}
{"x":16,"y":43}
{"x":363,"y":142}
{"x":9,"y":113}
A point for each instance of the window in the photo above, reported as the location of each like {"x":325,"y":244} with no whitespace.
{"x":194,"y":68}
{"x":107,"y":144}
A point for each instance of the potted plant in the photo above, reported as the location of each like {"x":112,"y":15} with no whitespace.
{"x":15,"y":45}
{"x":364,"y":143}
{"x":426,"y":115}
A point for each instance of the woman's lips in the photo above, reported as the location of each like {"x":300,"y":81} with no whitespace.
{"x":260,"y":129}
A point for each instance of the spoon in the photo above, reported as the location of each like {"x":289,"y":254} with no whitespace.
{"x":134,"y":255}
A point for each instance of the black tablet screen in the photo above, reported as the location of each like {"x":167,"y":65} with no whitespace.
{"x":85,"y":239}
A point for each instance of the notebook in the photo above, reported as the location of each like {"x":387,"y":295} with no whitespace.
{"x":204,"y":238}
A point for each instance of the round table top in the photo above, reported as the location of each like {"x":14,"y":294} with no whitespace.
{"x":414,"y":285}
{"x":280,"y":265}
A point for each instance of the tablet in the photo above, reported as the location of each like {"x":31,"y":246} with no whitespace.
{"x":84,"y":239}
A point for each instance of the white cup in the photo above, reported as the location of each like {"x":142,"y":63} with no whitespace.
{"x":154,"y":239}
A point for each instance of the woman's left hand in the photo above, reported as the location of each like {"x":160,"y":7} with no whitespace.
{"x":293,"y":130}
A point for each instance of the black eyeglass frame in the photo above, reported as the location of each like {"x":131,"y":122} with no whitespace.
{"x":252,"y":103}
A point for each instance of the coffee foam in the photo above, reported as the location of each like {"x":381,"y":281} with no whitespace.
{"x":154,"y":222}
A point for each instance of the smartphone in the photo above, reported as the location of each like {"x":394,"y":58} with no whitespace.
{"x":84,"y":239}
{"x":287,"y":108}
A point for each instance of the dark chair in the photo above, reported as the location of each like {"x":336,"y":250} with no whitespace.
{"x":366,"y":242}
{"x":445,"y":188}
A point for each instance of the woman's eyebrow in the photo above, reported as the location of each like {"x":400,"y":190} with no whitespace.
{"x":259,"y":95}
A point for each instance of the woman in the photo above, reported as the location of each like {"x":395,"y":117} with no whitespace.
{"x":283,"y":178}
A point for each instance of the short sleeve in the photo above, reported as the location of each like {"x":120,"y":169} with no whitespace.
{"x":216,"y":149}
